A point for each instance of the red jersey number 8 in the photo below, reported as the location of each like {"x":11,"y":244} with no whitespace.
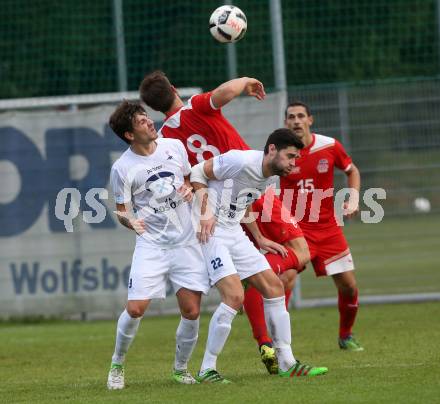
{"x":202,"y":148}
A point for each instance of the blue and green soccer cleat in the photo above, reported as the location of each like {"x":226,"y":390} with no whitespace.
{"x":300,"y":369}
{"x":350,"y":344}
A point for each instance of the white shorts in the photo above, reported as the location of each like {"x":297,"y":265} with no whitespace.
{"x":230,"y":252}
{"x":152,"y":266}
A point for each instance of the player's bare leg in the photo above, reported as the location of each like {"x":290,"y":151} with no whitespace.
{"x":348,"y":304}
{"x":300,"y":248}
{"x":128,"y":324}
{"x":288,"y":279}
{"x":278,"y":320}
{"x":232,"y":296}
{"x":186,"y":334}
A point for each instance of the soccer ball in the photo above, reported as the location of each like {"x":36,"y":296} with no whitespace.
{"x":422,"y":205}
{"x":228,"y":24}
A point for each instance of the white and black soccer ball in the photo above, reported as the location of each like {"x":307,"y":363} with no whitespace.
{"x":228,"y":24}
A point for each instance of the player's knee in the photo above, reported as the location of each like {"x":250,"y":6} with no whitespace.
{"x":234,"y":299}
{"x":277,"y":290}
{"x":303,"y":258}
{"x":190,"y":312}
{"x":135,"y":311}
{"x":288,"y":279}
{"x":273,"y":288}
{"x":346,"y":283}
{"x":349,"y":290}
{"x":301,"y":250}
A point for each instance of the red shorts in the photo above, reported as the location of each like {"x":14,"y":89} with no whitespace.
{"x":274,"y":220}
{"x":329,"y":251}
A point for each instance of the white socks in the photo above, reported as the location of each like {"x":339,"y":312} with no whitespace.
{"x":278,"y":322}
{"x":126,"y":330}
{"x":186,"y":338}
{"x":219,"y":329}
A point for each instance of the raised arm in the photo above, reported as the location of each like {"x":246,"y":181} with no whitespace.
{"x":233,"y":88}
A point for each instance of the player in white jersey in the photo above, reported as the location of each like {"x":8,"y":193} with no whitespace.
{"x":233,"y":181}
{"x":152,"y":192}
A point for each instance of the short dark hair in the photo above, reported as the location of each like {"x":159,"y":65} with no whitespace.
{"x":297,"y":103}
{"x":157,"y":92}
{"x":283,"y":138}
{"x":121,"y":120}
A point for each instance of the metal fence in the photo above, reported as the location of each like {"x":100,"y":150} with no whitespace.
{"x":392,"y":131}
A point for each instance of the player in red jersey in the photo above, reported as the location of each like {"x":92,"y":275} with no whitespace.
{"x":308,"y":193}
{"x":205,"y":132}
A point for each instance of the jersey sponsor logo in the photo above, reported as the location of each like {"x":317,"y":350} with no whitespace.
{"x":322,"y":166}
{"x":164,"y":197}
{"x":161,"y":185}
{"x":241,"y":203}
{"x":150,"y":170}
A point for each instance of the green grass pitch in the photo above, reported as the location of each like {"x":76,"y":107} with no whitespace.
{"x":53,"y":362}
{"x":400,"y":255}
{"x":68,"y":361}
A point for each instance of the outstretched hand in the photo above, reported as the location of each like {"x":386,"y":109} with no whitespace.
{"x":255,"y":88}
{"x":206,"y":230}
{"x":351,"y":209}
{"x":138,"y":225}
{"x":185,"y":192}
{"x":271,"y":246}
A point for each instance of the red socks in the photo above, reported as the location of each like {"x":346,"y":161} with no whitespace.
{"x":287,"y":293}
{"x":253,"y":306}
{"x":348,"y":307}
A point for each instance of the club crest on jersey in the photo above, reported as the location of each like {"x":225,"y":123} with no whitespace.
{"x":322,"y":166}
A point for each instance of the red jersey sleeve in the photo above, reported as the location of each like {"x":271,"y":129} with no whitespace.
{"x":342,"y":159}
{"x":201,"y":103}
